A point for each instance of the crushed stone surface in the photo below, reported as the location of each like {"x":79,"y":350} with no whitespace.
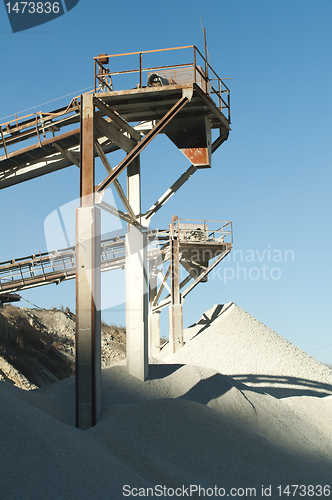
{"x":199,"y":419}
{"x":234,"y":343}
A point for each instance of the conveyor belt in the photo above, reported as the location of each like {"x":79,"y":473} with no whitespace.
{"x":60,"y":265}
{"x":54,"y":267}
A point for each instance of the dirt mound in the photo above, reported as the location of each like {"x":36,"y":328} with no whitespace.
{"x":37,"y":347}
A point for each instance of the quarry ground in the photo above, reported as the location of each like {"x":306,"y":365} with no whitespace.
{"x":238,"y":409}
{"x":37,"y":346}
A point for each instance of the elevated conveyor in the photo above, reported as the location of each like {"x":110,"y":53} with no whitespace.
{"x":50,"y":141}
{"x":137,"y":96}
{"x":200,"y":250}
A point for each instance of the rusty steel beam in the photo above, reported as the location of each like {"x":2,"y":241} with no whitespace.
{"x":87,"y":176}
{"x":67,"y":154}
{"x":134,"y":153}
{"x":176,"y":308}
{"x":167,"y":195}
{"x":117,"y":184}
{"x":117,"y":119}
{"x":43,"y":143}
{"x":114,"y":134}
{"x":88,"y":280}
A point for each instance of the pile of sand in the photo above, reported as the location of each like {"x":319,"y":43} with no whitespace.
{"x":186,"y":425}
{"x":234,"y":343}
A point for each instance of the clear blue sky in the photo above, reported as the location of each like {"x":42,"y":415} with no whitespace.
{"x":272,"y":177}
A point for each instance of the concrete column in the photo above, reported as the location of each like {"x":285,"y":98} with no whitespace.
{"x":88,"y":281}
{"x":175,"y":311}
{"x":136,"y":283}
{"x":154,"y":318}
{"x":88,"y":320}
{"x":175,"y":317}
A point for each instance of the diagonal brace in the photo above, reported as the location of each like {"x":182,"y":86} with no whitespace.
{"x":142,"y":144}
{"x":67,"y":154}
{"x":155,"y":302}
{"x":114,"y":134}
{"x":218,"y":142}
{"x":117,"y":184}
{"x":167,"y":195}
{"x":206,"y":272}
{"x":180,"y":181}
{"x":116,"y":118}
{"x":118,"y":213}
{"x":167,"y":300}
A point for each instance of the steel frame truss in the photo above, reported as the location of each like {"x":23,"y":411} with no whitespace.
{"x":104,"y":127}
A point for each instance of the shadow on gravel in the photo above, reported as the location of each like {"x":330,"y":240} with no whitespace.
{"x":208,"y":389}
{"x":162,"y":370}
{"x":205,"y":321}
{"x":285,"y":387}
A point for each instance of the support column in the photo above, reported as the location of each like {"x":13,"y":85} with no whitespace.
{"x":88,"y":282}
{"x":136,"y":283}
{"x":154,"y":318}
{"x":175,"y":311}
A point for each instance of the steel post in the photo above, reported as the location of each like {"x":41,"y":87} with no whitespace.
{"x":88,"y":278}
{"x":154,"y":318}
{"x":175,"y":309}
{"x":136,"y":283}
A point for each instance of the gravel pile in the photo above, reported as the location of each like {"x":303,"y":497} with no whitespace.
{"x":189,"y":426}
{"x":234,"y":343}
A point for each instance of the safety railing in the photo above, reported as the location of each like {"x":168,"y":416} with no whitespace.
{"x":37,"y":269}
{"x":197,"y":70}
{"x":37,"y":125}
{"x":202,"y":231}
{"x":55,"y":266}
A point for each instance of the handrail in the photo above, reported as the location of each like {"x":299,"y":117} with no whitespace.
{"x":30,"y":125}
{"x":146,"y":51}
{"x":11,"y":131}
{"x":55,"y":114}
{"x":103,"y":75}
{"x":59,"y":265}
{"x":200,"y":230}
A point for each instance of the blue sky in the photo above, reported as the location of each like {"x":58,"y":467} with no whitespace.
{"x":272,"y":177}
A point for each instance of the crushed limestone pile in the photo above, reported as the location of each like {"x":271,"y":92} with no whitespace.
{"x":190,"y":430}
{"x":233,"y":342}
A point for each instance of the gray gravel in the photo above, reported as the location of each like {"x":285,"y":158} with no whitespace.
{"x":234,"y":343}
{"x":186,"y":425}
